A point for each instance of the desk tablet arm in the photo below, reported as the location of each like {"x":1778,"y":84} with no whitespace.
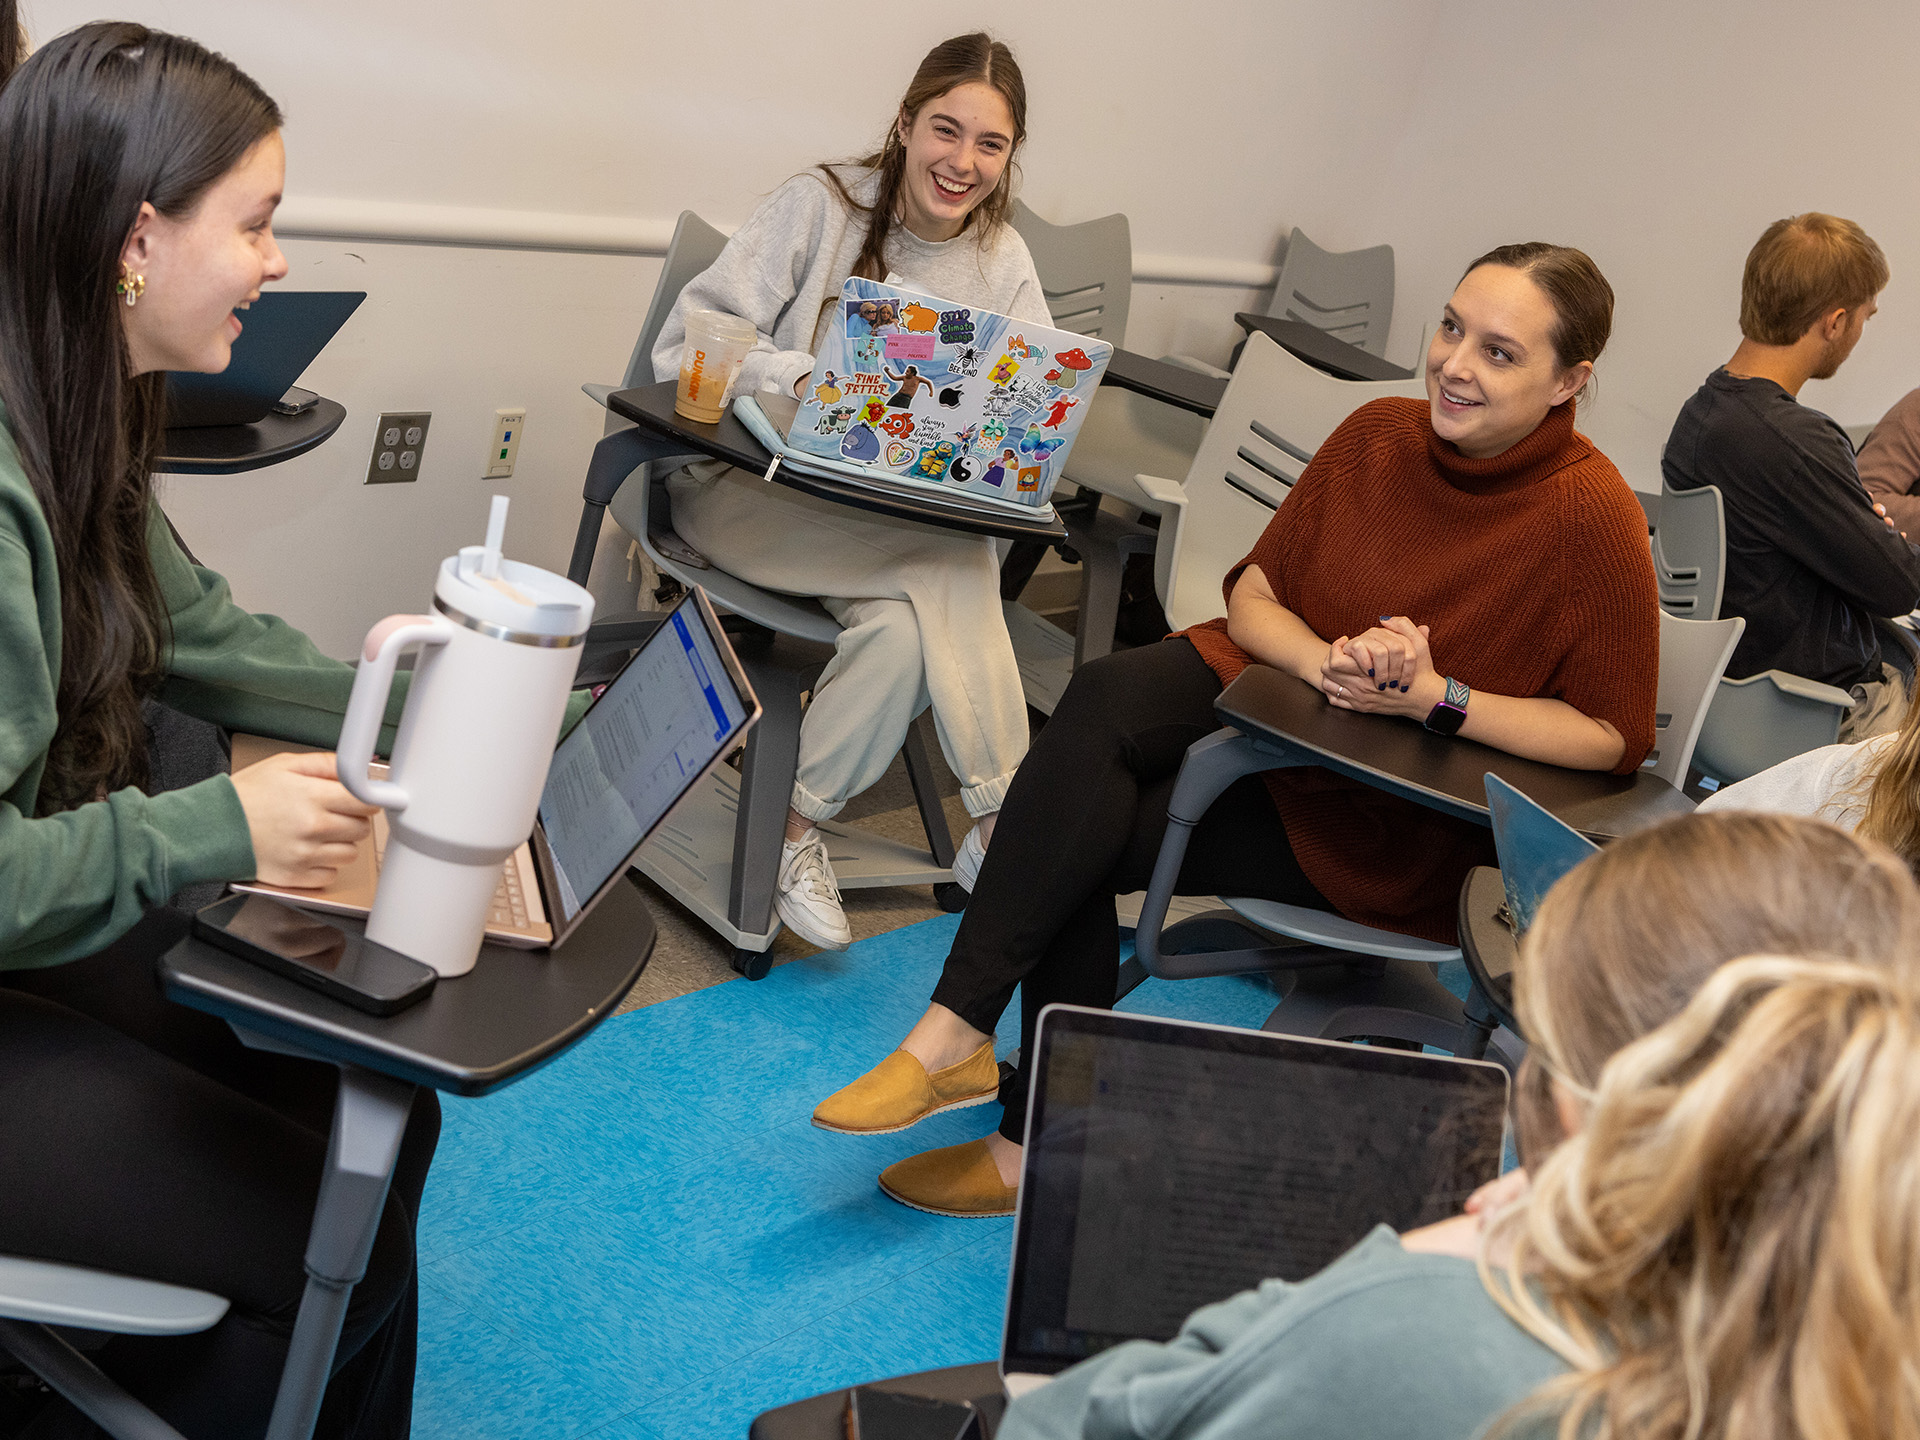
{"x":1211,"y":766}
{"x":615,"y":458}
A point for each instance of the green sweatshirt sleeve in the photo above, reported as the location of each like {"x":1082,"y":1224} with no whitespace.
{"x":74,"y":882}
{"x":245,"y":671}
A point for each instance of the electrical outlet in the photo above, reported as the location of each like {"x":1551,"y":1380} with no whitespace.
{"x":507,"y":425}
{"x":398,"y":447}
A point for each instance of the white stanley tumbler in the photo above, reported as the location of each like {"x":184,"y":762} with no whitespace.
{"x":497,"y":659}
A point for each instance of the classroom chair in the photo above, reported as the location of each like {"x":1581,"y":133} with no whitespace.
{"x":35,"y":1294}
{"x":1763,"y":719}
{"x":1086,"y":274}
{"x":1348,"y":294}
{"x":720,"y":853}
{"x":1277,"y":410}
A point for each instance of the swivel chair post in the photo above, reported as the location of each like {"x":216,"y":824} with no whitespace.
{"x":1211,"y":766}
{"x":369,"y":1118}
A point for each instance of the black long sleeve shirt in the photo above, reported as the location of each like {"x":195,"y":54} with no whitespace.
{"x":1808,"y":562}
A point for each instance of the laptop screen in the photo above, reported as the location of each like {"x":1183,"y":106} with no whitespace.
{"x":1170,"y":1165}
{"x":664,"y":719}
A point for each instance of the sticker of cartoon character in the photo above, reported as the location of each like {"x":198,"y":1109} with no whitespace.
{"x":899,"y":425}
{"x":934,"y":461}
{"x":995,"y":473}
{"x":861,"y":444}
{"x":1004,"y":369}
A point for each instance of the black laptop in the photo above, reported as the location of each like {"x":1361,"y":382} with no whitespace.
{"x":279,"y":336}
{"x":1170,"y":1164}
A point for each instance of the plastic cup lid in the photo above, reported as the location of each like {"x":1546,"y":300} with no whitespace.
{"x":721,"y":325}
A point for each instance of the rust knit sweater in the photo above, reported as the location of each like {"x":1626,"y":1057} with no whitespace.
{"x":1533,"y":571}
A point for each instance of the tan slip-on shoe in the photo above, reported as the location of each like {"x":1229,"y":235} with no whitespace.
{"x":958,"y":1180}
{"x":899,"y":1092}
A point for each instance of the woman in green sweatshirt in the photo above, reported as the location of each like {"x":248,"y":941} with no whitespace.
{"x":136,"y":216}
{"x":1719,"y":1238}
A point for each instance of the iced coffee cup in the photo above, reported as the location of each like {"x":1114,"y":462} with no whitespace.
{"x":717,"y":345}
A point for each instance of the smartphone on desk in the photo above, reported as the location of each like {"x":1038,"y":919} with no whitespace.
{"x":887,"y":1415}
{"x":311,"y":951}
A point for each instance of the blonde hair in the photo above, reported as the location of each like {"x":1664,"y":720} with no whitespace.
{"x":1887,"y":799}
{"x":1626,"y":939}
{"x":1731,"y":1244}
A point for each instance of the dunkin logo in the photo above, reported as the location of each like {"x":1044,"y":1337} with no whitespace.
{"x":693,"y":375}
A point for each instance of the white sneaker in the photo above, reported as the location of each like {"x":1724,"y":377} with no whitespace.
{"x":966,"y":861}
{"x":805,"y":897}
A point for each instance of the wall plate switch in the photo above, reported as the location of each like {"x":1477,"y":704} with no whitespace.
{"x":398,"y":446}
{"x":507,"y":425}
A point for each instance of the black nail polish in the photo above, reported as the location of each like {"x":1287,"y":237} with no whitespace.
{"x":1383,"y":684}
{"x":1405,"y":688}
{"x":1369,"y":674}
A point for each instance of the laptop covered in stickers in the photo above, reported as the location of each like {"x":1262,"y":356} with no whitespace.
{"x":914,"y":393}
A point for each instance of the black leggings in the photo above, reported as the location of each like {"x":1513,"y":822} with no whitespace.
{"x":141,"y":1137}
{"x":1082,"y":823}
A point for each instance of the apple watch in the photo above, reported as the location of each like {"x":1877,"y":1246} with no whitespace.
{"x":1450,"y":714}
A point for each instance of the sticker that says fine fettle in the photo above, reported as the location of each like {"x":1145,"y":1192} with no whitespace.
{"x":910,"y":347}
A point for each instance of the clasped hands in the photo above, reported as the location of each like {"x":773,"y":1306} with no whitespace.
{"x":1386,"y":671}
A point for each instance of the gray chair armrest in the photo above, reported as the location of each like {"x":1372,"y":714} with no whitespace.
{"x":1798,"y":686}
{"x":598,"y":393}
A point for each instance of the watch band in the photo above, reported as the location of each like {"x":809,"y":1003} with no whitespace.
{"x":1450,"y":714}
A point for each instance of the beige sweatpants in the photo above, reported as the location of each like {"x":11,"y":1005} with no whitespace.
{"x":921,"y":607}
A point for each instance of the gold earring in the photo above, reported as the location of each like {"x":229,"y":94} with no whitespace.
{"x":130,"y":285}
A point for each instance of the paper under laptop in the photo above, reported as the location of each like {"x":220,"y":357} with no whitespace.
{"x":679,"y":706}
{"x":1170,"y":1165}
{"x":921,"y":395}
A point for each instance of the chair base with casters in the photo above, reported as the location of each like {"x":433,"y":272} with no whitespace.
{"x":1347,"y":980}
{"x":719,"y":853}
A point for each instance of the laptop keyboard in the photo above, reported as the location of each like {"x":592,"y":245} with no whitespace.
{"x":509,"y":908}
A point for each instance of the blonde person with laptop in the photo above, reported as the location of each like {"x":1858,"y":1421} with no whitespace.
{"x":1718,"y":1238}
{"x":920,"y":606}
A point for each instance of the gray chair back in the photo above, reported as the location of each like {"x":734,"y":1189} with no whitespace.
{"x":1348,"y":294}
{"x":1693,"y":657}
{"x":1086,"y":271}
{"x":1276,"y":412}
{"x":694,"y":247}
{"x":1690,"y":551}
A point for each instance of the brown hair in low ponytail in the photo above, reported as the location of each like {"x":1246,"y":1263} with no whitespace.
{"x":964,"y":60}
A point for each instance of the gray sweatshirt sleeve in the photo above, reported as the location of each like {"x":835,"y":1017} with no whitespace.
{"x":757,"y":277}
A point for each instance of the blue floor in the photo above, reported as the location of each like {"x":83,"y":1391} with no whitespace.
{"x":647,"y":1240}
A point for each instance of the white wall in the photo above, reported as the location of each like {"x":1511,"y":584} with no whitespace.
{"x":1661,"y":138}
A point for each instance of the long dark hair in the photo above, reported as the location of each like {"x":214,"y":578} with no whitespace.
{"x":963,"y":60}
{"x":91,"y":125}
{"x":13,"y":39}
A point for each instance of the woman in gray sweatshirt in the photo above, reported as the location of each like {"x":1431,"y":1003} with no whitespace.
{"x":920,"y":607}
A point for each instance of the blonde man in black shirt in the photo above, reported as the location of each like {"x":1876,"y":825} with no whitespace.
{"x":1812,"y":562}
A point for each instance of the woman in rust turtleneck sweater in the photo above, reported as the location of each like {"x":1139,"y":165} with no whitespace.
{"x":1476,"y":543}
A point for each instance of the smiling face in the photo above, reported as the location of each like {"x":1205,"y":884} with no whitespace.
{"x":957,"y":147}
{"x":1492,"y":374}
{"x":202,"y":266}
